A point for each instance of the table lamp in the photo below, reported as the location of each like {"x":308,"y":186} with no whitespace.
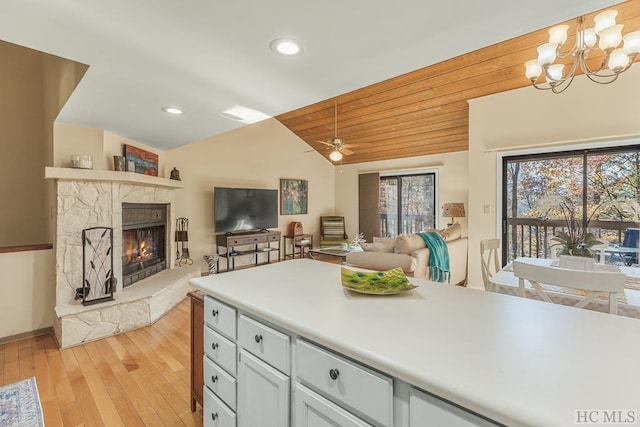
{"x":453,"y":210}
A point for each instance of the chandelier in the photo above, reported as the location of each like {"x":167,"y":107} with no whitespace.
{"x":605,"y":32}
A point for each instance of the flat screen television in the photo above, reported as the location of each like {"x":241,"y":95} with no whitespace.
{"x":238,"y":209}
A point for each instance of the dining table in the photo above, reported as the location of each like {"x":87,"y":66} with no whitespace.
{"x":505,"y":282}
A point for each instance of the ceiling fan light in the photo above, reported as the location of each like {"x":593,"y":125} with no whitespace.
{"x":335,"y":155}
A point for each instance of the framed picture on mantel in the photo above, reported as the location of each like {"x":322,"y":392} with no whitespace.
{"x":294,"y":196}
{"x":140,"y":161}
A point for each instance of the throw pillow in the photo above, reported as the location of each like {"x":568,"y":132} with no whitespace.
{"x":379,"y":245}
{"x":387,"y":240}
{"x":212,"y":261}
{"x":452,"y":233}
{"x":407,"y":243}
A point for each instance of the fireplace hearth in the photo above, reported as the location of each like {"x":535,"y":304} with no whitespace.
{"x":143,"y":241}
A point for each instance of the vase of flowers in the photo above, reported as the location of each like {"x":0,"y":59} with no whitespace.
{"x":577,"y":240}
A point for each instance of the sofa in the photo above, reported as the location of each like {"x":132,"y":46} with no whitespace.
{"x":409,"y":252}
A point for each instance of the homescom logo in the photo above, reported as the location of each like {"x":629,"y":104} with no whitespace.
{"x":606,"y":416}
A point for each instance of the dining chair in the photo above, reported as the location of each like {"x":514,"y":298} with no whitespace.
{"x":631,"y":240}
{"x":488,"y":253}
{"x":593,"y":282}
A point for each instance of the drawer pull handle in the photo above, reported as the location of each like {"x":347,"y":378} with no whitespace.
{"x":214,"y":416}
{"x":214,"y":313}
{"x":214,"y":378}
{"x":258,"y":338}
{"x":214,"y":345}
{"x":333,"y":373}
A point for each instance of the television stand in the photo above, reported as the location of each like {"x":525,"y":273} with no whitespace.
{"x":251,"y":243}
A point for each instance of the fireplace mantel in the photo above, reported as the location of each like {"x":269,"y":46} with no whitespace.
{"x":70,"y":174}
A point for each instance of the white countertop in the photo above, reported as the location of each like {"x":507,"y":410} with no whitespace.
{"x":514,"y":360}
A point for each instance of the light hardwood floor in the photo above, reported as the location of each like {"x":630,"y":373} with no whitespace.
{"x":139,"y":378}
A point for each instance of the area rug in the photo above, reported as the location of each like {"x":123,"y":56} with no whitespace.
{"x":20,"y":404}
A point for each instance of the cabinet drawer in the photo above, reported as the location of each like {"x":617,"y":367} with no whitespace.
{"x":356,"y":387}
{"x":220,"y":350}
{"x":220,"y":316}
{"x":312,"y":410}
{"x":426,"y":410}
{"x":221,"y":383}
{"x":264,"y":342}
{"x":273,"y":238}
{"x":215,"y":413}
{"x":246,"y":240}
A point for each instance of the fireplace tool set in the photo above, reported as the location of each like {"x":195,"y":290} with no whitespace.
{"x":182,"y":238}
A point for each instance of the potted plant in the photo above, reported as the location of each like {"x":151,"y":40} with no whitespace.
{"x":577,"y":241}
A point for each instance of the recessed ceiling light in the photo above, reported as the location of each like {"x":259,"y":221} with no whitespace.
{"x":172,"y":110}
{"x":286,"y":47}
{"x":241,"y":114}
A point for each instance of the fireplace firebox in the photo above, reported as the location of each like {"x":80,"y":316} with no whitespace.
{"x":143,"y":241}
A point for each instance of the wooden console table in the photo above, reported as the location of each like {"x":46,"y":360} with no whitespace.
{"x":257,"y":241}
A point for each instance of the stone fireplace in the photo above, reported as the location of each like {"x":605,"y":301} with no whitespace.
{"x":141,"y":211}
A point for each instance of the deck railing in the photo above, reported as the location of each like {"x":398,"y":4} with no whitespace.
{"x":411,"y":224}
{"x":530,"y":236}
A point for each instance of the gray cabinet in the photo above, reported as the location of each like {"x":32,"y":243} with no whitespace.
{"x":263,"y":394}
{"x":426,"y":410}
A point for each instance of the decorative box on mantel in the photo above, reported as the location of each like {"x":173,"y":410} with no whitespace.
{"x":93,"y":198}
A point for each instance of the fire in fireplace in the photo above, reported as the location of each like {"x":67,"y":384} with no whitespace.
{"x":143,"y":241}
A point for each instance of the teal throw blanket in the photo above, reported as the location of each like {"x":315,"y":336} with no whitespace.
{"x":438,"y":257}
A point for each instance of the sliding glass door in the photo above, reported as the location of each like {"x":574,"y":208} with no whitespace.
{"x":600,"y":186}
{"x":407,"y":203}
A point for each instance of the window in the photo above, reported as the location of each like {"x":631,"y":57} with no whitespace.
{"x":603,"y":183}
{"x":407,"y":203}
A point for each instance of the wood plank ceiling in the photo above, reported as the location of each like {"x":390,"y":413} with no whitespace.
{"x":426,"y":111}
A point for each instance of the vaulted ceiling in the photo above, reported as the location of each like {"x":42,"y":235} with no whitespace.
{"x":426,"y":111}
{"x":207,"y":56}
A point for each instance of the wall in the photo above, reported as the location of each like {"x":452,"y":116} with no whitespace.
{"x":71,"y":139}
{"x":22,"y":157}
{"x":452,"y":183}
{"x":113,"y":147}
{"x":28,"y":291}
{"x":254,"y":156}
{"x":100,"y":144}
{"x":531,"y":118}
{"x":34,"y":87}
{"x":60,"y":77}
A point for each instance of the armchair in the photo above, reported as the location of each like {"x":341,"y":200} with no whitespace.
{"x":332,"y":231}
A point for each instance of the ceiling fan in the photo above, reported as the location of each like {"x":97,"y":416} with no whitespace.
{"x":338,"y":147}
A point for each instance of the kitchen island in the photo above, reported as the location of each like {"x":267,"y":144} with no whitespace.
{"x":506,"y":359}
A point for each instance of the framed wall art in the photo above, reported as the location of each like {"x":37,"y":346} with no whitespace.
{"x":294,"y":196}
{"x":140,"y":161}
